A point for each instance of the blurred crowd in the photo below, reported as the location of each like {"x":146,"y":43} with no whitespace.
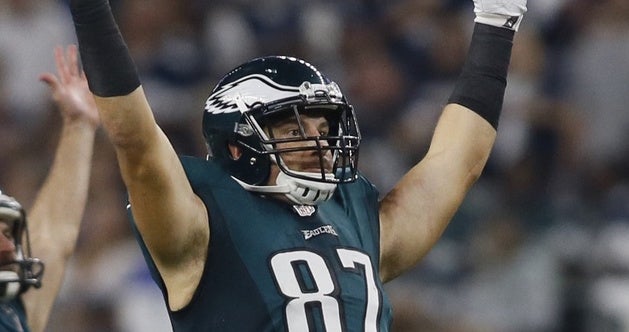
{"x":540,"y":244}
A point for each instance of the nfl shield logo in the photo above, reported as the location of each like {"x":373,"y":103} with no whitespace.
{"x":304,"y":210}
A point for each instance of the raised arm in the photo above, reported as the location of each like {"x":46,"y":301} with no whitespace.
{"x":416,"y":212}
{"x":55,"y":218}
{"x":170,"y":217}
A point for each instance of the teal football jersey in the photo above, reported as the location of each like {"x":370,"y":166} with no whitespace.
{"x":272,"y":266}
{"x":13,"y":316}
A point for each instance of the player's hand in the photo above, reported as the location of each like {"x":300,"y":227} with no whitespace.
{"x":501,"y":13}
{"x":70,"y":90}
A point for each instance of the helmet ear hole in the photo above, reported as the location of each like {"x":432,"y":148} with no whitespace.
{"x":234,"y":151}
{"x":250,"y":167}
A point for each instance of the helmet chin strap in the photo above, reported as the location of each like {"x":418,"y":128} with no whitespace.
{"x":9,"y":285}
{"x":298,"y":191}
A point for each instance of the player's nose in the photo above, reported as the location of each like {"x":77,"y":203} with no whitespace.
{"x":7,"y":247}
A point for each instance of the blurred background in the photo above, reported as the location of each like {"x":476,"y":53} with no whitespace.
{"x":540,"y":244}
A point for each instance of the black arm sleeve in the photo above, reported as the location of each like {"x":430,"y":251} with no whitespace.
{"x":483,"y":80}
{"x":108,"y":66}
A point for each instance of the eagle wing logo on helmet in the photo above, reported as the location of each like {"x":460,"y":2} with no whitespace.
{"x":247,"y":91}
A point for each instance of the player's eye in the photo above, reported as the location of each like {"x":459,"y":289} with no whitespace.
{"x":8,"y":234}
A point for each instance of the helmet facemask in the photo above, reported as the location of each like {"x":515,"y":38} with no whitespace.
{"x":330,"y":152}
{"x":23,"y":271}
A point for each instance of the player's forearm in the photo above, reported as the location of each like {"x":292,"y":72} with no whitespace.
{"x":56,"y":215}
{"x":463,"y":140}
{"x":128,"y":121}
{"x":58,"y":208}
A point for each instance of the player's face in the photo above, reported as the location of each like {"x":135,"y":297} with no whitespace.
{"x":309,"y":160}
{"x":7,"y":244}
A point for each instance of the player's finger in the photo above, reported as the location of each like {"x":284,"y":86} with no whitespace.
{"x":62,"y":67}
{"x":50,"y":79}
{"x":72,"y":56}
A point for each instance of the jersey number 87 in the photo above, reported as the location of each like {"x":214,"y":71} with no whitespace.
{"x":289,"y":269}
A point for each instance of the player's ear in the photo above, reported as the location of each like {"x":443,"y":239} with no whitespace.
{"x":234,"y":151}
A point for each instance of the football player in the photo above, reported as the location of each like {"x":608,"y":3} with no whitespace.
{"x":277,"y":230}
{"x":57,"y":211}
